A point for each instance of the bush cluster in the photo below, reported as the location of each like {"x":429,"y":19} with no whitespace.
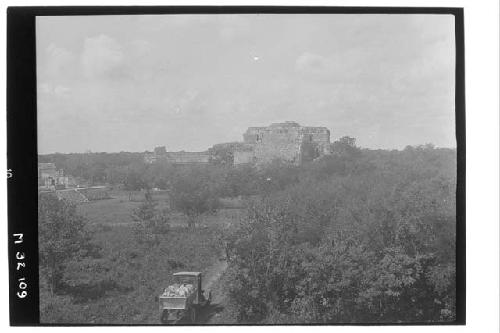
{"x":368,"y":237}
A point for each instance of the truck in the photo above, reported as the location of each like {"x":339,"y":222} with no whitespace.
{"x":183,"y":299}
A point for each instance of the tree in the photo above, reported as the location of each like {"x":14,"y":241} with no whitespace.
{"x":150,"y":221}
{"x":347,"y":140}
{"x":63,"y":237}
{"x":193,"y":195}
{"x":134,"y":181}
{"x":222,"y":154}
{"x":146,"y":211}
{"x":345,"y":146}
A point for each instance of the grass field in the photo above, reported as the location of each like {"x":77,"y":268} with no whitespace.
{"x":118,"y":210}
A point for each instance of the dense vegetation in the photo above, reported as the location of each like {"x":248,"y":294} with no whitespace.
{"x":362,"y":237}
{"x":358,"y":236}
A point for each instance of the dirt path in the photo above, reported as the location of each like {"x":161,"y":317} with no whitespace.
{"x":213,"y":274}
{"x":211,"y":279}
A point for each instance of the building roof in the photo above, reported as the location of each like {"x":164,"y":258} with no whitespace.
{"x":286,"y":124}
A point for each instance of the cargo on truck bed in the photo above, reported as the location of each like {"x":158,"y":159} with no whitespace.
{"x":178,"y":290}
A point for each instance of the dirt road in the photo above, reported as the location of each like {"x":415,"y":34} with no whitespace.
{"x":213,"y":274}
{"x":209,"y":314}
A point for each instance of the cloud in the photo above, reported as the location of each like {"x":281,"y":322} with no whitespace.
{"x":102,"y":57}
{"x":57,"y":62}
{"x":232,"y":27}
{"x":141,"y":47}
{"x":55,"y":90}
{"x":334,"y":68}
{"x":310,"y":63}
{"x":61,"y":90}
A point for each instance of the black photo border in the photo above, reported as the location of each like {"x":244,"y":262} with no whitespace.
{"x":22,"y":137}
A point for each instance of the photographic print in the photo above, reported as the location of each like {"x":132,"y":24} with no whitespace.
{"x":247,"y":168}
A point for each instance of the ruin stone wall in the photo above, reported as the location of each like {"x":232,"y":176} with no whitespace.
{"x":184,"y":157}
{"x":278,"y":142}
{"x":243,"y":157}
{"x":260,"y":145}
{"x":284,"y":150}
{"x":319,"y":136}
{"x":253,"y":134}
{"x":283,"y":141}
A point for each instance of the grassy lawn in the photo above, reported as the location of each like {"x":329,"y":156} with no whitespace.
{"x":118,"y":210}
{"x":109,"y":211}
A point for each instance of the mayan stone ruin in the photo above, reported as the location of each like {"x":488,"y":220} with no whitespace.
{"x":287,"y":141}
{"x":178,"y":157}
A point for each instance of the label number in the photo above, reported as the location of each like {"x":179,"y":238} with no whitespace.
{"x":22,"y":285}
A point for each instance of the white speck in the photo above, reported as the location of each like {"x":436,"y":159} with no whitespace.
{"x":256,"y":58}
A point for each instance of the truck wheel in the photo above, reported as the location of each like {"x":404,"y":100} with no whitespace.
{"x":164,"y":317}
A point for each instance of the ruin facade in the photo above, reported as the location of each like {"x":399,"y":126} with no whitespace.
{"x":50,"y":177}
{"x":179,"y":157}
{"x":286,"y":141}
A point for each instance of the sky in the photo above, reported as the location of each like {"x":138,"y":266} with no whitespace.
{"x":187,"y":82}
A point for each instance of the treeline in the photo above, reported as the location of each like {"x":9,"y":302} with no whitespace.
{"x":130,"y":172}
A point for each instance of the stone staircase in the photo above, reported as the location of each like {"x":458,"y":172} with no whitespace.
{"x":72,"y":195}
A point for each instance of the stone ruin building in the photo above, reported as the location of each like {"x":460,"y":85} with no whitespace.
{"x":286,"y":141}
{"x":179,"y":157}
{"x":49,"y":177}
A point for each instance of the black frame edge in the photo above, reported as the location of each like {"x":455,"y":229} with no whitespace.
{"x":460,"y":136}
{"x":22,"y":160}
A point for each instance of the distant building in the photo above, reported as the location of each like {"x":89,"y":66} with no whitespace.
{"x":181,"y":157}
{"x":150,"y":158}
{"x":244,"y":155}
{"x":51,"y":178}
{"x":47,"y":174}
{"x":286,"y":141}
{"x":160,"y":150}
{"x":188,"y":157}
